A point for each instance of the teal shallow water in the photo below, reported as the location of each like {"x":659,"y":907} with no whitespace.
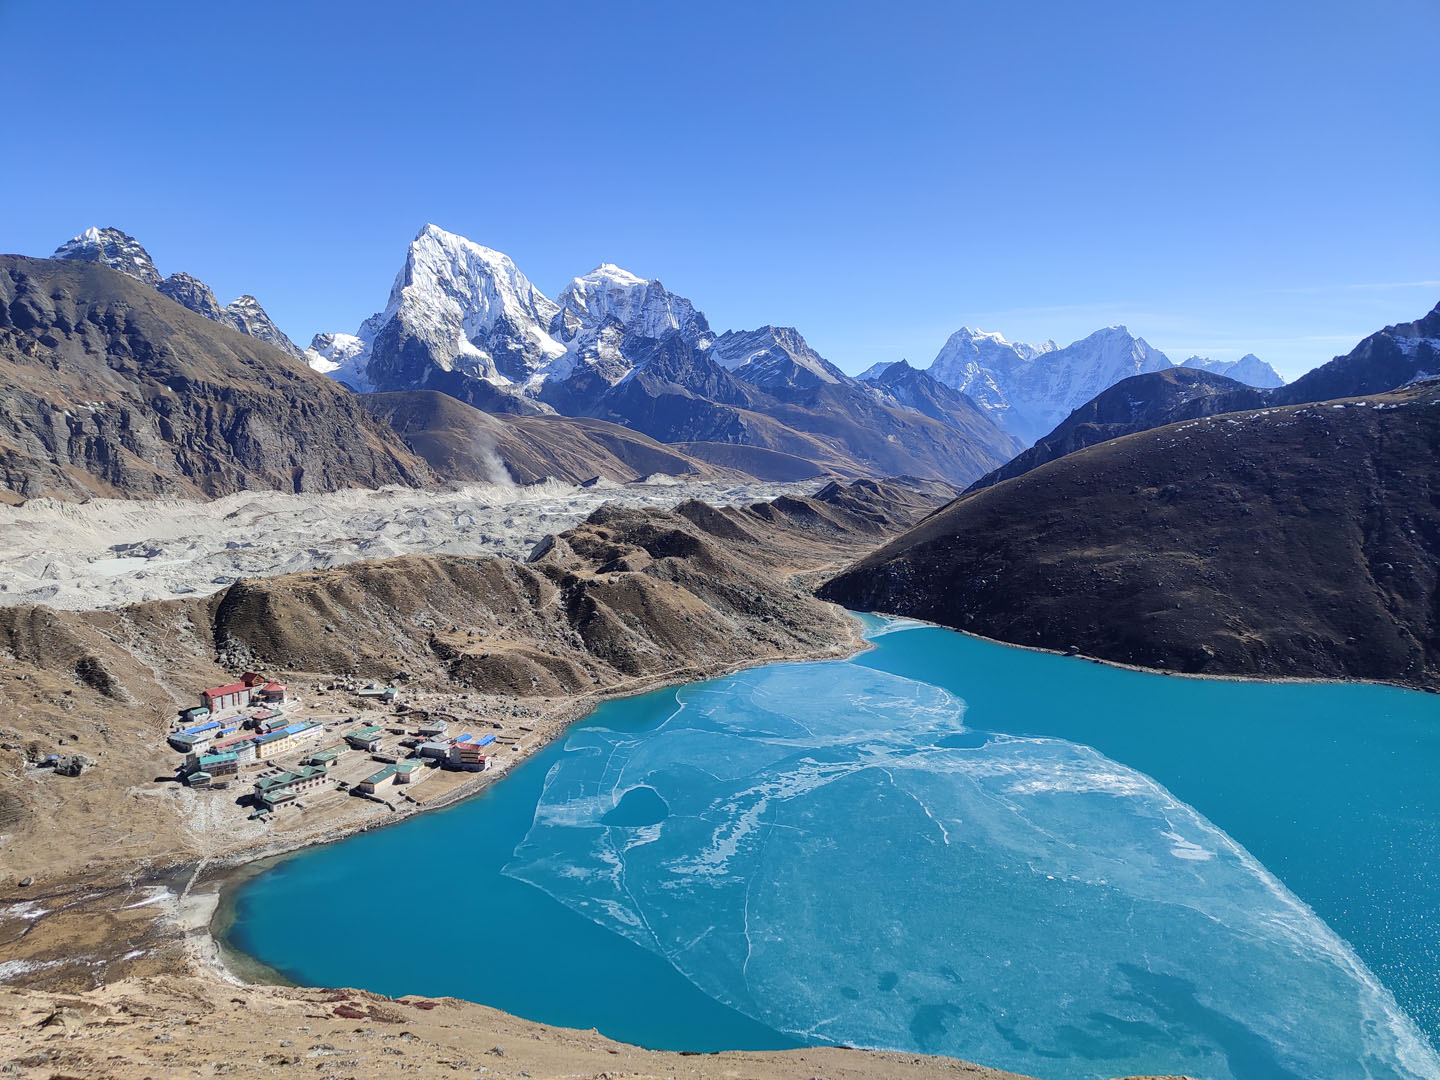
{"x":944,"y":845}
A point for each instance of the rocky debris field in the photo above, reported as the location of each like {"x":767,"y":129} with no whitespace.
{"x":105,"y":553}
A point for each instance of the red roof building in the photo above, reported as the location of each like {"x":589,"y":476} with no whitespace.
{"x":230,"y":696}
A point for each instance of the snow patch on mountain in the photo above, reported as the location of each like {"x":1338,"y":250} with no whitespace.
{"x":774,"y":356}
{"x":344,"y":357}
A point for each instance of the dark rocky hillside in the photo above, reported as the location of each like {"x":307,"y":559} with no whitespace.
{"x":1299,"y":541}
{"x":109,"y":388}
{"x":1392,"y":357}
{"x":1138,"y":403}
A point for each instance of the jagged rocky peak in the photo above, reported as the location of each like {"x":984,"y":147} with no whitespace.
{"x":773,"y":356}
{"x":194,"y":294}
{"x":123,"y":252}
{"x":641,"y":307}
{"x":250,"y":318}
{"x":117,"y":250}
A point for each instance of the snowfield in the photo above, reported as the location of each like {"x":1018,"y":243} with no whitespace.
{"x":110,"y":552}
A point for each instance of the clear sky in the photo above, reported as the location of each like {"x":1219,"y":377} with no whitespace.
{"x":1221,"y":177}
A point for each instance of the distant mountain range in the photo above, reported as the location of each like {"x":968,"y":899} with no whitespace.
{"x":1249,"y":369}
{"x":1029,"y":389}
{"x":1387,"y":359}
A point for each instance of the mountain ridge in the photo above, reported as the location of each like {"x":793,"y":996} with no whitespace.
{"x":111,"y":388}
{"x":464,"y":320}
{"x":120,"y":251}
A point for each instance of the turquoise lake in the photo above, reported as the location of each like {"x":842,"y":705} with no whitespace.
{"x":940,"y":845}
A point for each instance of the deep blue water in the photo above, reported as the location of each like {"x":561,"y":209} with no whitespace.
{"x":944,"y":845}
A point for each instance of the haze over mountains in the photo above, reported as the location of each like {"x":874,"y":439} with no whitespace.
{"x":1389,"y":358}
{"x":1029,"y":389}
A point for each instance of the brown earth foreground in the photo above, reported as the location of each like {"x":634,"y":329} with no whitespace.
{"x":185,"y":1027}
{"x":107,"y":956}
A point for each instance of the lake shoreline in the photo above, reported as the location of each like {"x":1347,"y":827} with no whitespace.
{"x":225,"y":874}
{"x":222,"y":876}
{"x":1015,"y":699}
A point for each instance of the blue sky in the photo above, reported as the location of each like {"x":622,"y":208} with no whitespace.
{"x":1220,"y":177}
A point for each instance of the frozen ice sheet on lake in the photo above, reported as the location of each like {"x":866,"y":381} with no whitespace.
{"x":829,"y":850}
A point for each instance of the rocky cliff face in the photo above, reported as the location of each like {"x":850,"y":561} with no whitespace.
{"x":110,"y":388}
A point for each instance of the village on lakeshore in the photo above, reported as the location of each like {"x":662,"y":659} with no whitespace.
{"x":253,"y":737}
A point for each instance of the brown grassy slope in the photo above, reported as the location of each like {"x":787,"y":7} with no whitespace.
{"x":109,"y":388}
{"x":1284,"y":542}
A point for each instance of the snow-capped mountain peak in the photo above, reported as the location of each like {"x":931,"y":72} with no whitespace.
{"x":642,"y":307}
{"x":1027,"y":388}
{"x":1249,"y":369}
{"x":117,"y":250}
{"x":455,"y":306}
{"x":773,"y":355}
{"x":456,"y":286}
{"x":874,"y":371}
